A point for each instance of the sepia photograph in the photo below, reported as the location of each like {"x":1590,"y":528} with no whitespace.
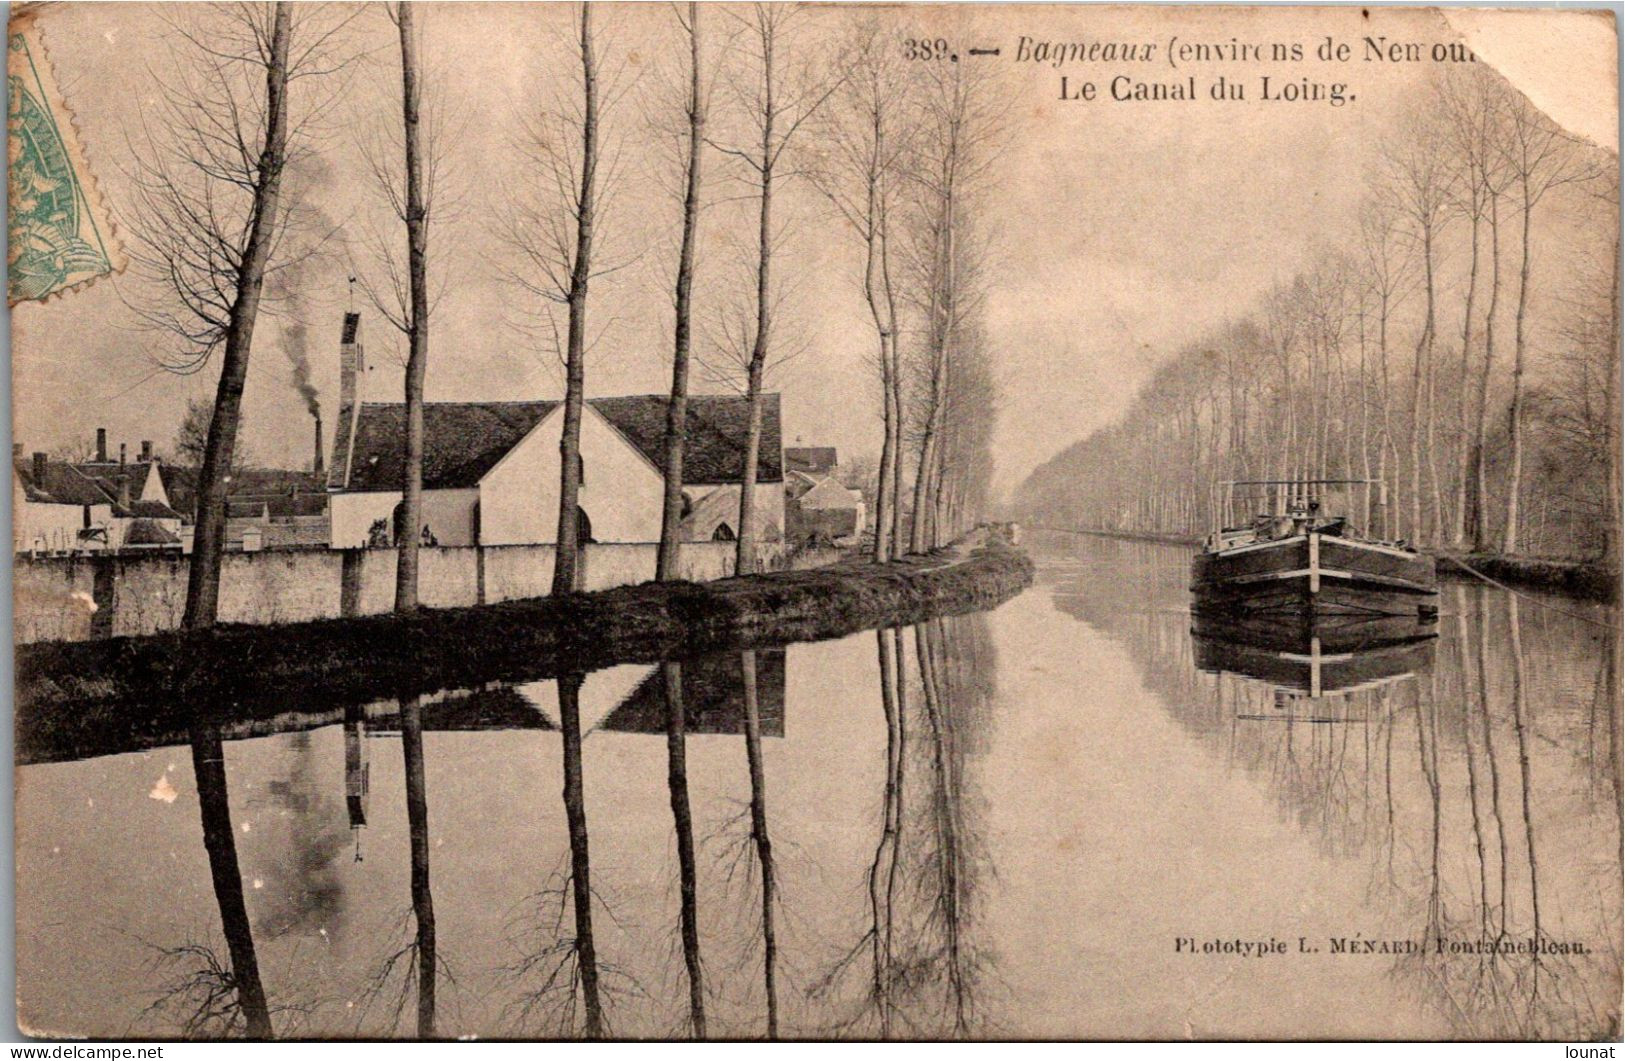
{"x":815,"y":521}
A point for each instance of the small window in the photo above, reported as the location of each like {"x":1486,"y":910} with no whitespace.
{"x":723,"y":533}
{"x":581,"y":471}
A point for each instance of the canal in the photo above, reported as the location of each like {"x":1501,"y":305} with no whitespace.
{"x":1061,"y":818}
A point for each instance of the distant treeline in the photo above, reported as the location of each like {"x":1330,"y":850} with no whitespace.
{"x":1460,"y":343}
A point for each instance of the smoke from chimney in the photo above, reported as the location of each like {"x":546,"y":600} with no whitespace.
{"x":294,"y":344}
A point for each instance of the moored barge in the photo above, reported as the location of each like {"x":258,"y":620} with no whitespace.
{"x":1303,"y":559}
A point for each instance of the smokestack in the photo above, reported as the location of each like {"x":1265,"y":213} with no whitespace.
{"x":121,"y":454}
{"x":146,"y":451}
{"x":124,"y":490}
{"x":101,"y":445}
{"x":352,"y":376}
{"x":39,"y":469}
{"x":317,"y":465}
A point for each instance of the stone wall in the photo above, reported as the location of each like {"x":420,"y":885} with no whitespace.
{"x":79,"y":598}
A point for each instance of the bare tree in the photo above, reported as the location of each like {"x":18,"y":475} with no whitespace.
{"x":553,"y":234}
{"x":778,"y":106}
{"x":863,"y":176}
{"x":402,"y":294}
{"x":1417,"y":179}
{"x":958,"y":123}
{"x":671,"y":512}
{"x":1539,"y":157}
{"x":211,"y":222}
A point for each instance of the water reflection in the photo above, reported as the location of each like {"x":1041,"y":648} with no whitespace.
{"x":1442,"y":769}
{"x":218,"y":999}
{"x":913,"y":833}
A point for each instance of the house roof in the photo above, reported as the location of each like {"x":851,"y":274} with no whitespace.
{"x":151,"y":509}
{"x":814,"y":460}
{"x":713,"y":697}
{"x":106,"y":474}
{"x":149,"y":532}
{"x":462,"y":441}
{"x":283,"y":491}
{"x":830,"y":494}
{"x":62,"y":484}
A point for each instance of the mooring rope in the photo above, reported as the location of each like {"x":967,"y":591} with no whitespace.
{"x":1536,"y":601}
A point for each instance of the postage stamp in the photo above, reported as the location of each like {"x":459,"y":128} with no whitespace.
{"x":60,"y":234}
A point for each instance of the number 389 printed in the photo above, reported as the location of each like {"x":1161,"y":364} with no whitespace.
{"x":919,"y":48}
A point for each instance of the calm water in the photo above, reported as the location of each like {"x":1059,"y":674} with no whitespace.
{"x":997,"y":825}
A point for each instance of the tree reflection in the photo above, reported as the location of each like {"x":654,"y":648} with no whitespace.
{"x":760,"y":838}
{"x":559,"y":968}
{"x":1474,"y":795}
{"x":924,"y":970}
{"x":683,"y":821}
{"x":418,"y":963}
{"x":205,"y":997}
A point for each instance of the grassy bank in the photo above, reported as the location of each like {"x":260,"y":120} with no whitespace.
{"x":107,"y":687}
{"x":1592,"y":581}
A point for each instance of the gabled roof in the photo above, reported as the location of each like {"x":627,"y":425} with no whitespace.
{"x":62,"y":484}
{"x":462,"y":441}
{"x":713,"y":697}
{"x":815,"y":460}
{"x":107,"y":473}
{"x":717,"y":425}
{"x":149,"y":532}
{"x":830,"y":494}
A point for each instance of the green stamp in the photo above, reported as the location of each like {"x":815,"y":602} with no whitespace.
{"x":58,"y":237}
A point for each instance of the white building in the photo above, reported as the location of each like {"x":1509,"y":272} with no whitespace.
{"x":491,"y":469}
{"x":92,"y":506}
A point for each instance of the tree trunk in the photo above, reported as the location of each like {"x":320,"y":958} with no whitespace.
{"x":920,"y":533}
{"x":1463,"y":523}
{"x":417,"y":357}
{"x":214,"y":804}
{"x":1480,"y":469}
{"x":683,"y":822}
{"x":1424,"y":356}
{"x":575,"y":812}
{"x":745,"y":545}
{"x":203,"y":575}
{"x":417,"y":817}
{"x":565,"y":552}
{"x":873,"y":274}
{"x":1509,"y":542}
{"x":759,"y":834}
{"x":671,"y":514}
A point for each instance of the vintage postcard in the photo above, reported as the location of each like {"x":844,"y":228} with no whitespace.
{"x":816,"y":521}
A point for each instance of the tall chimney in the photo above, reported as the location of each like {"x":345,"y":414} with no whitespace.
{"x":39,"y":469}
{"x":317,"y":466}
{"x":121,"y":454}
{"x":146,"y":451}
{"x":124,"y":490}
{"x":101,"y":445}
{"x":352,"y":377}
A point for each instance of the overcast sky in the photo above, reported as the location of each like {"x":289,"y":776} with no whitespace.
{"x":1120,"y":229}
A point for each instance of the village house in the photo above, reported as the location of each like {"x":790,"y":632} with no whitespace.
{"x":491,"y":469}
{"x":818,"y":507}
{"x":266,"y":508}
{"x":97,"y":505}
